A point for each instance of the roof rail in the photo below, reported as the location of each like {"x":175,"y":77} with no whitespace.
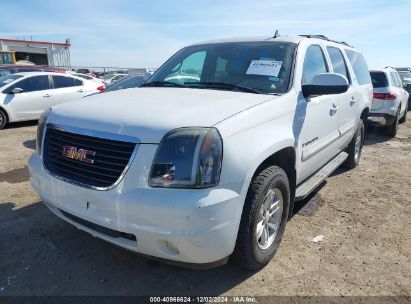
{"x":325,"y":38}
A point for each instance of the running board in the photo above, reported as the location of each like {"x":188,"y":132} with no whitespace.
{"x":314,"y":181}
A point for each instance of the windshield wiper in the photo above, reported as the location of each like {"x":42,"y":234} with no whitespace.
{"x":213,"y":84}
{"x":159,"y":83}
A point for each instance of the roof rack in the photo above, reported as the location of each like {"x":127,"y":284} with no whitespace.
{"x":325,"y":38}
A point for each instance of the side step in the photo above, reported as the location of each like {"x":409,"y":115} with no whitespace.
{"x":314,"y":181}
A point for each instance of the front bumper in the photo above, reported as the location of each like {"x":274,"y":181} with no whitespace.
{"x":381,"y":119}
{"x":197,"y":226}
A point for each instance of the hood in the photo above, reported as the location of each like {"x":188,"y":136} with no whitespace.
{"x":149,"y":113}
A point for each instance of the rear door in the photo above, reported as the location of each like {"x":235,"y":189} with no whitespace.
{"x":66,"y":88}
{"x":347,"y":102}
{"x":361,"y":80}
{"x":34,"y":99}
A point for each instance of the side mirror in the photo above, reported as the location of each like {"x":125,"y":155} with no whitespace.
{"x":16,"y":91}
{"x":326,"y":84}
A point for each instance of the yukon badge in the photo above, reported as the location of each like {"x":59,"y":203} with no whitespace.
{"x":79,"y":154}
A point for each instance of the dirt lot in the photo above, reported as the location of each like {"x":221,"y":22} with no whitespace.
{"x":364,"y":214}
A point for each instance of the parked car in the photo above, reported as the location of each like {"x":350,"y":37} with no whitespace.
{"x":390,"y":100}
{"x":198,"y":171}
{"x":85,"y":71}
{"x":24,"y":96}
{"x":112,"y":78}
{"x":126,"y":83}
{"x":405,"y":75}
{"x":97,"y":81}
{"x":7,"y":69}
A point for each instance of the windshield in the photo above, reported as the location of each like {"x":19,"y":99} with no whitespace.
{"x":5,"y":80}
{"x":406,"y":77}
{"x":129,"y":82}
{"x":263,"y":67}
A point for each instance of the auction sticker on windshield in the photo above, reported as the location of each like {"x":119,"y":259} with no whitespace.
{"x":264,"y":67}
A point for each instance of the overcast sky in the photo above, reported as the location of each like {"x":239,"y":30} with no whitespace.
{"x":127,"y":33}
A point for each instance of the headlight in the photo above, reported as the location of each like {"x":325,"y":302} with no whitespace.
{"x":188,"y":158}
{"x":40,"y":129}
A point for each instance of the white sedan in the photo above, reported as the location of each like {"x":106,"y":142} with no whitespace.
{"x":24,"y":96}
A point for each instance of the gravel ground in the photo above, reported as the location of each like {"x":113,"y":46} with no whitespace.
{"x":364,"y":215}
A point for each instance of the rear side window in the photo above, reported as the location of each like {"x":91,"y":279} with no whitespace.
{"x":314,"y":63}
{"x":63,"y":82}
{"x":32,"y":84}
{"x":379,"y":80}
{"x":359,"y":66}
{"x":78,"y":82}
{"x":338,"y":62}
{"x":399,"y":80}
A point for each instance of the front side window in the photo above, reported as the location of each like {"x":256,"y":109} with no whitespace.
{"x":257,"y":67}
{"x":338,"y":62}
{"x":314,"y":63}
{"x":359,"y":66}
{"x":33,"y":84}
{"x":394,"y":79}
{"x":63,"y":82}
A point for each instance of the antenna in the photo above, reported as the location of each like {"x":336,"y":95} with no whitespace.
{"x":276,"y":34}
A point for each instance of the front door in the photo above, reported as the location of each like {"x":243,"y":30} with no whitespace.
{"x":316,"y":119}
{"x":33,"y":100}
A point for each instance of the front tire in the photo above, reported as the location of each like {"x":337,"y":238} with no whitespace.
{"x":263,"y":220}
{"x":354,"y":149}
{"x":3,"y":119}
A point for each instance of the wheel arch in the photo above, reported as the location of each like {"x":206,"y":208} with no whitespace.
{"x":284,"y":158}
{"x":5,"y":112}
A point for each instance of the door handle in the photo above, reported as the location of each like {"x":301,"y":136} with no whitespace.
{"x":80,"y":91}
{"x":353,"y":100}
{"x":334,"y":109}
{"x":47,"y":95}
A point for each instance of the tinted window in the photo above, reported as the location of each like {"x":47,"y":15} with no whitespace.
{"x":399,"y":81}
{"x":63,"y":82}
{"x":78,"y":82}
{"x":263,"y":66}
{"x":5,"y":80}
{"x":83,"y":71}
{"x":314,"y":64}
{"x":359,"y":66}
{"x":27,"y":70}
{"x":35,"y":83}
{"x":379,"y":79}
{"x":129,"y":82}
{"x":4,"y":72}
{"x":338,"y":62}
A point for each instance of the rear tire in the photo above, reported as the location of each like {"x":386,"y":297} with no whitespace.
{"x":3,"y":119}
{"x":391,"y":131}
{"x":263,"y":220}
{"x":404,"y":117}
{"x":354,"y":149}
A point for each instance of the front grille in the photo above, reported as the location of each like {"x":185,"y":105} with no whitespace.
{"x":108,"y":163}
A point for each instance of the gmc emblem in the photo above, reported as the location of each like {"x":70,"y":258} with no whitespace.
{"x":79,"y":154}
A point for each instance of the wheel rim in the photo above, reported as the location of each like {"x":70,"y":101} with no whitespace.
{"x":1,"y":119}
{"x":269,"y":219}
{"x":357,"y":150}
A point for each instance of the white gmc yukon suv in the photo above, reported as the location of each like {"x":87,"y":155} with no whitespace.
{"x":206,"y":160}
